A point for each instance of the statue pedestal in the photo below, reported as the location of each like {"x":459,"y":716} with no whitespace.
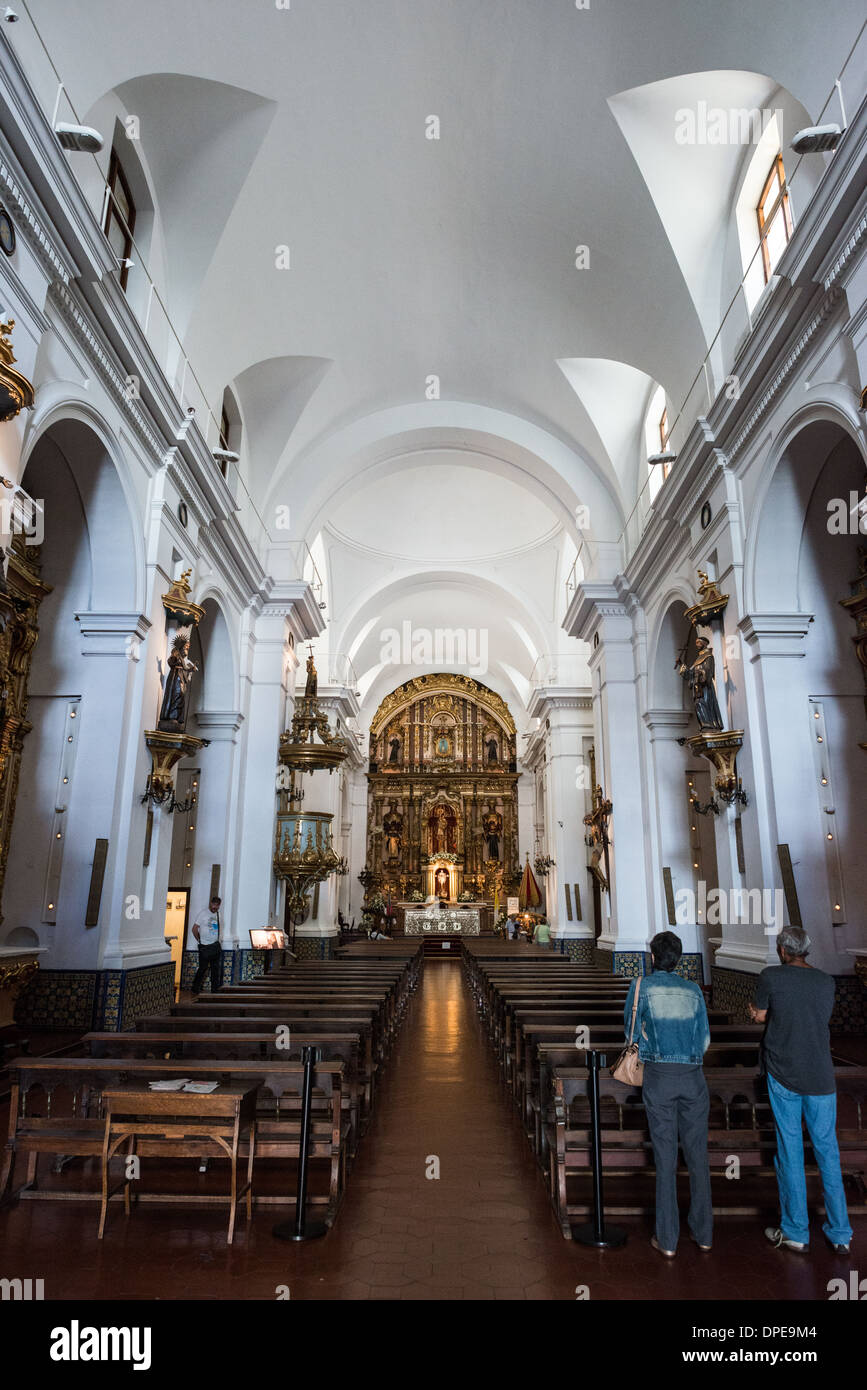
{"x":18,"y":965}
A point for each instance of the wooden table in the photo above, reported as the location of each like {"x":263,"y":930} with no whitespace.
{"x":180,"y":1123}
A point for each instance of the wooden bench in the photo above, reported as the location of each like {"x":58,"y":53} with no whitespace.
{"x":79,"y":1130}
{"x":534,"y":1040}
{"x":202,"y":1045}
{"x":263,"y":1017}
{"x":736,"y":1093}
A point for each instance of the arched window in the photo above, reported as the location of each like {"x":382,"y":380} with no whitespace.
{"x":774,"y":214}
{"x":656,"y":440}
{"x":119,"y":223}
{"x":230,"y":428}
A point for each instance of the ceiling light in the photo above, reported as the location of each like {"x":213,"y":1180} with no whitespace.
{"x":79,"y":137}
{"x":9,"y":15}
{"x":226,"y":455}
{"x":666,"y":456}
{"x":814,"y":139}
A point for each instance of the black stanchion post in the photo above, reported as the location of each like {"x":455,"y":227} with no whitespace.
{"x":301,"y":1228}
{"x":595,"y":1232}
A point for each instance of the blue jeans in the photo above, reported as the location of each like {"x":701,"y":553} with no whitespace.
{"x":820,"y":1113}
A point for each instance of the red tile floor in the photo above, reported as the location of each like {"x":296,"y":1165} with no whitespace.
{"x":482,"y":1230}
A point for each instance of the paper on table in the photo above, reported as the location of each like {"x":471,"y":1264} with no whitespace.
{"x":201,"y":1088}
{"x":170,"y":1085}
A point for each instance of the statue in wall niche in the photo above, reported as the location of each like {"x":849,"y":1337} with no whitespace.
{"x":492,"y":750}
{"x":492,"y":825}
{"x":699,"y":676}
{"x":173,"y":713}
{"x":392,"y":826}
{"x":310,"y":687}
{"x":394,"y":751}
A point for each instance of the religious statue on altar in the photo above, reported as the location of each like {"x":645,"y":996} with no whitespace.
{"x":442,"y":883}
{"x":393,"y":825}
{"x":441,"y":830}
{"x":173,"y":713}
{"x":394,"y":751}
{"x":493,"y":752}
{"x":492,"y":824}
{"x":699,"y":676}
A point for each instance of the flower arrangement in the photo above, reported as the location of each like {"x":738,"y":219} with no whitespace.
{"x":367,"y":920}
{"x":416,"y":896}
{"x":465,"y":896}
{"x":444,"y":857}
{"x":376,"y":903}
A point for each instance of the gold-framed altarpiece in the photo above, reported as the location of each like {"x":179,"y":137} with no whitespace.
{"x":21,"y":593}
{"x":442,"y":791}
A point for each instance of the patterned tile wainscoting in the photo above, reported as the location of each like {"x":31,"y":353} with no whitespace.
{"x":604,"y":960}
{"x":850,"y":1005}
{"x":107,"y":1000}
{"x":238,"y":965}
{"x":635,"y":963}
{"x":583,"y":951}
{"x":315,"y":947}
{"x":733,"y":990}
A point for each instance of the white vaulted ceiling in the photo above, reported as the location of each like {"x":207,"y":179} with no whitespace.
{"x":454,"y":258}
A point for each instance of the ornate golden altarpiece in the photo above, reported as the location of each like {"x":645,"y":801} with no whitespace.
{"x":442,"y":813}
{"x":21,"y":593}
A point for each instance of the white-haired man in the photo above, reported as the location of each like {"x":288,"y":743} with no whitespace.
{"x":797,"y":1000}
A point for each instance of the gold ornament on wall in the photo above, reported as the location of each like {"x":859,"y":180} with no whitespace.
{"x":16,"y":392}
{"x":711,"y":603}
{"x":177,"y":603}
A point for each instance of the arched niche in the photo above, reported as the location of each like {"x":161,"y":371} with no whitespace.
{"x":68,"y":784}
{"x":71,"y":468}
{"x":799,"y":482}
{"x":215,"y":687}
{"x":666,"y":686}
{"x":804,"y":557}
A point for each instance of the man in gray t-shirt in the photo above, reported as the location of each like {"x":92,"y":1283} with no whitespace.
{"x":796,"y":1002}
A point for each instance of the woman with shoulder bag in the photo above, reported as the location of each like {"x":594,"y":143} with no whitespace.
{"x":666,"y":1015}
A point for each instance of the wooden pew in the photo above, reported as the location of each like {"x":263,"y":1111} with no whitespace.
{"x":736,"y":1093}
{"x":78,"y":1130}
{"x":205,"y":1046}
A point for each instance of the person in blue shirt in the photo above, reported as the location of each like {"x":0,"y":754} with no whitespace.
{"x":672,"y":1032}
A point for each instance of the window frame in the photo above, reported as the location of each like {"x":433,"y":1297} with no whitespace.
{"x":112,"y":211}
{"x":765,"y":218}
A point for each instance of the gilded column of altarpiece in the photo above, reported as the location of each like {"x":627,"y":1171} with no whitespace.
{"x":20,"y":596}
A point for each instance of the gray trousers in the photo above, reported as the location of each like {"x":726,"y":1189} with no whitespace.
{"x":677,"y":1104}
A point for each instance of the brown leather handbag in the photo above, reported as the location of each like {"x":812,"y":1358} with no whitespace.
{"x":628,"y":1068}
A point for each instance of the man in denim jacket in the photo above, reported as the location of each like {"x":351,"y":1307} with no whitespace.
{"x":672,"y":1032}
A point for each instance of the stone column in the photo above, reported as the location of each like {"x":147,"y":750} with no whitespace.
{"x":602,"y":614}
{"x":667,"y":828}
{"x":779,"y":770}
{"x":567,"y":718}
{"x":270,"y":662}
{"x":111,"y":769}
{"x":216,"y":821}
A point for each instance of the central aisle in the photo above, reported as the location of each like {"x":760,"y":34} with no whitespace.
{"x":483,"y":1229}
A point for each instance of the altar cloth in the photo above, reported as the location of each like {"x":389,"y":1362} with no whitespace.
{"x":449,"y":921}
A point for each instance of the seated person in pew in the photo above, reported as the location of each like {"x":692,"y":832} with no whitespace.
{"x":797,"y":1001}
{"x":672,"y":1031}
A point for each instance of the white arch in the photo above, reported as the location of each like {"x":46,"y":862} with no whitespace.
{"x":776,"y":587}
{"x":117,"y":541}
{"x":545,"y":464}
